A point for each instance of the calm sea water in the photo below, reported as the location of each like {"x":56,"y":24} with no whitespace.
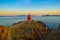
{"x":51,"y":21}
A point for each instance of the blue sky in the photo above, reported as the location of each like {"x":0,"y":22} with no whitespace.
{"x":26,"y":5}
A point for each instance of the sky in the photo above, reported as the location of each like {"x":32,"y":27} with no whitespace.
{"x":34,"y":7}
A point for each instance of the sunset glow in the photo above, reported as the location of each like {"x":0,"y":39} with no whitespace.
{"x":33,"y":7}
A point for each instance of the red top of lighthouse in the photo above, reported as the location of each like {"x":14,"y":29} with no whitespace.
{"x":29,"y":17}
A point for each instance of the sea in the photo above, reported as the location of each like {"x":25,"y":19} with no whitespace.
{"x":50,"y":21}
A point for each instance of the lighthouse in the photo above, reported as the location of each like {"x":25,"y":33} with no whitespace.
{"x":29,"y":18}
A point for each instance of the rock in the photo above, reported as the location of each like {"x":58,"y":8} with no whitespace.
{"x":55,"y":34}
{"x":59,"y":27}
{"x":29,"y":30}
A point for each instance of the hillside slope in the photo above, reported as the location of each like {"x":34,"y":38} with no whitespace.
{"x":29,"y":30}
